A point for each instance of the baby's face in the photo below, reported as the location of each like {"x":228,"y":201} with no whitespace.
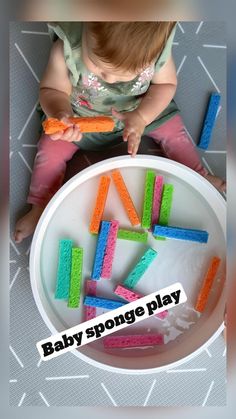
{"x":105,"y":71}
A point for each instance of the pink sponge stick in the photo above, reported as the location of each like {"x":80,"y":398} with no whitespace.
{"x":90,"y":289}
{"x":130,"y":295}
{"x":110,"y":250}
{"x":158,"y":186}
{"x":132,"y":341}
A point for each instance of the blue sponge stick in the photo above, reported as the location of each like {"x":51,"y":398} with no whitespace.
{"x":179,"y":233}
{"x":100,"y":250}
{"x":209,"y":121}
{"x":103,"y":302}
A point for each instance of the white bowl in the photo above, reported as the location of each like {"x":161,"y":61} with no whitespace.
{"x":196,"y":204}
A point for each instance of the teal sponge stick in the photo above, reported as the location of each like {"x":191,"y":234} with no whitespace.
{"x":140,"y":268}
{"x":64,"y":269}
{"x":76,"y":277}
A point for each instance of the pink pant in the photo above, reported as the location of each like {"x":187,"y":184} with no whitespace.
{"x":52,"y":156}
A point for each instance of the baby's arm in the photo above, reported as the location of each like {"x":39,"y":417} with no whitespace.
{"x":55,"y":90}
{"x":160,"y":92}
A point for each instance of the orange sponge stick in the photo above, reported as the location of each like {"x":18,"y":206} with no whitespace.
{"x":125,"y":197}
{"x":207,"y":284}
{"x":100,"y":204}
{"x":88,"y":124}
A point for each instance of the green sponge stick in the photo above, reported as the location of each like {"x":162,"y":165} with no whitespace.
{"x":76,"y":277}
{"x":148,"y":198}
{"x":64,"y":269}
{"x":137,"y":236}
{"x":166,"y":204}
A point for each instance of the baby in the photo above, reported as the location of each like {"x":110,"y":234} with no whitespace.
{"x":121,"y":69}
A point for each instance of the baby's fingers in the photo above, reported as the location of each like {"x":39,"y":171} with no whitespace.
{"x":67,"y":134}
{"x":57,"y":135}
{"x":76,"y":134}
{"x":126,"y":134}
{"x":133,"y":144}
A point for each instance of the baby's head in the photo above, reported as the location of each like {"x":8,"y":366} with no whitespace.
{"x":119,"y":51}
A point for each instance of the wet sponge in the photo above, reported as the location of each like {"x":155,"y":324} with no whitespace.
{"x":76,"y":277}
{"x":130,"y":341}
{"x":209,"y":121}
{"x":179,"y":233}
{"x":100,"y":250}
{"x":103,"y":302}
{"x":207,"y":284}
{"x":86,"y":124}
{"x":64,"y":269}
{"x":140,"y":268}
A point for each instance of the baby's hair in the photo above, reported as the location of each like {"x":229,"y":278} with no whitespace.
{"x":130,"y":46}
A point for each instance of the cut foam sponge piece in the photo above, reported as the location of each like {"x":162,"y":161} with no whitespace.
{"x":125,"y":197}
{"x":166,"y":203}
{"x":110,"y":250}
{"x":101,"y":198}
{"x":129,"y":341}
{"x":148,"y":199}
{"x":130,"y":295}
{"x":180,"y":233}
{"x":75,"y":277}
{"x":207,"y":284}
{"x":100,"y":250}
{"x":209,"y":121}
{"x":90,"y":289}
{"x":100,"y":302}
{"x":86,"y":124}
{"x":64,"y":269}
{"x":140,"y":268}
{"x":156,"y":205}
{"x":137,"y":236}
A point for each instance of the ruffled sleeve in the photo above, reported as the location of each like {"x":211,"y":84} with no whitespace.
{"x":166,"y":52}
{"x":71,"y":34}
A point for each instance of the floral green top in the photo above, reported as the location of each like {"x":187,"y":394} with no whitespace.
{"x":92,"y":96}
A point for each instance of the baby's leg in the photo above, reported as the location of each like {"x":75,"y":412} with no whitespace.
{"x":47,"y":177}
{"x":178,"y":146}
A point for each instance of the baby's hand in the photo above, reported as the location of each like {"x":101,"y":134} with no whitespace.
{"x":72,"y":133}
{"x":133,"y":130}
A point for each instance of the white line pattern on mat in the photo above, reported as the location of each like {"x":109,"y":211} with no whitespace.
{"x":181,"y":27}
{"x":35,"y":33}
{"x":208,"y":393}
{"x":27,"y":164}
{"x":150,"y":392}
{"x":109,"y":395}
{"x":16,"y":357}
{"x":214,"y":46}
{"x":187,"y":370}
{"x":66,"y":377}
{"x":22,"y":399}
{"x":27,"y":120}
{"x":14,"y":278}
{"x":43,"y":398}
{"x":209,"y":75}
{"x":26,"y":62}
{"x":199,"y":27}
{"x":181,"y":64}
{"x":14,"y":247}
